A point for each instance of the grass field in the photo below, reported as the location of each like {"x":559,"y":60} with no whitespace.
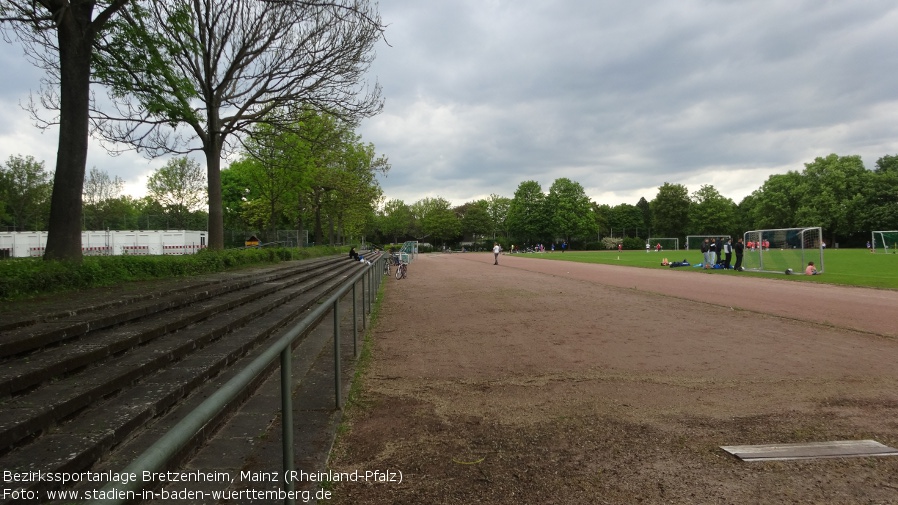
{"x":850,"y":267}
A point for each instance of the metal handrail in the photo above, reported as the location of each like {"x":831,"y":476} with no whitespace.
{"x":156,"y":457}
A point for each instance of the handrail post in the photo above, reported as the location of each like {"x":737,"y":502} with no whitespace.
{"x":355,"y":323}
{"x":364,"y":312}
{"x":337,"y":352}
{"x":287,"y":421}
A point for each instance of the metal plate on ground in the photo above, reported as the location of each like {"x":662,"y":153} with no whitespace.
{"x":810,"y":450}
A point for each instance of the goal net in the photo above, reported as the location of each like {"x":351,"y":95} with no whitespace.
{"x":694,"y":242}
{"x":783,"y":249}
{"x":885,"y":241}
{"x":667,"y":243}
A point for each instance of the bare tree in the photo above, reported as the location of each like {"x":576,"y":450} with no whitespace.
{"x":208,"y":71}
{"x":67,"y":28}
{"x":99,"y":187}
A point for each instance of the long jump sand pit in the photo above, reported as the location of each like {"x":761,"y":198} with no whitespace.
{"x":556,"y":382}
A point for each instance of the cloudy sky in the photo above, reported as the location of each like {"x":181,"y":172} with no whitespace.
{"x":620,"y":96}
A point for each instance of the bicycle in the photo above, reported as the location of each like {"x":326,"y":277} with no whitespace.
{"x":388,"y":262}
{"x":401,"y":270}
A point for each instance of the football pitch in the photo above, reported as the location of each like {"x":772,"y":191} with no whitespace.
{"x":848,"y":267}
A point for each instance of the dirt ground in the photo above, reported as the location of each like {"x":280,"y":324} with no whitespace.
{"x":555,"y":382}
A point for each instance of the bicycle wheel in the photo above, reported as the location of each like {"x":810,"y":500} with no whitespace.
{"x":404,"y":271}
{"x":399,"y":272}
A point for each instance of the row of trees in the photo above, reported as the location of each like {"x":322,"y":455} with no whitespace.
{"x":175,"y":198}
{"x":324,"y":180}
{"x":836,"y":193}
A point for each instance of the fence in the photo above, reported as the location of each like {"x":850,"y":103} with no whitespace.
{"x":156,"y":457}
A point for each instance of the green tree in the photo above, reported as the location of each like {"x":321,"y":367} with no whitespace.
{"x":475,"y":218}
{"x":436,"y":220}
{"x":712,"y":213}
{"x":271,"y":169}
{"x":670,"y":210}
{"x":353,"y":202}
{"x":498,"y":212}
{"x":527,"y":217}
{"x":776,"y":201}
{"x":626,"y":220}
{"x":24,"y":193}
{"x":881,"y":207}
{"x":646,"y":208}
{"x":396,"y":220}
{"x":833,"y":190}
{"x":601,"y":215}
{"x":236,"y":189}
{"x":569,"y":209}
{"x":836,"y":193}
{"x":179,"y":186}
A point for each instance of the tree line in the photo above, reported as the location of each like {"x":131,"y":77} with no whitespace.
{"x":325,"y":181}
{"x":834,"y":192}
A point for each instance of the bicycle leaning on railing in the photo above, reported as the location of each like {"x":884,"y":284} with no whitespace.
{"x":401,"y":268}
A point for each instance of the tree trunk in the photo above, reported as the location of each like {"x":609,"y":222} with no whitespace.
{"x":213,"y":174}
{"x":75,"y":46}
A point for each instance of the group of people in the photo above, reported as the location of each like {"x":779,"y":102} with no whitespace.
{"x":540,"y":248}
{"x":760,"y":245}
{"x":354,"y":256}
{"x":722,"y":254}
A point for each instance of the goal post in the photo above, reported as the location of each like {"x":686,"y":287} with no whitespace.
{"x":783,"y":249}
{"x":667,"y":243}
{"x":884,"y":241}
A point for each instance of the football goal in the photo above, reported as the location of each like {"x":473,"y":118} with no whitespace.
{"x":694,"y":242}
{"x":667,"y":243}
{"x":783,"y":249}
{"x":885,"y":241}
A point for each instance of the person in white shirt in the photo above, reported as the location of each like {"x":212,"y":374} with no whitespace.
{"x":496,"y":250}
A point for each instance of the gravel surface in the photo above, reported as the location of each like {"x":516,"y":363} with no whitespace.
{"x":554,"y":382}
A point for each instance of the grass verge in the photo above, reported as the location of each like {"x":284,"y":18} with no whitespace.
{"x":355,"y":400}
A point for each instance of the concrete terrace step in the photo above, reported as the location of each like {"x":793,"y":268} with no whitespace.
{"x":78,"y":321}
{"x":76,"y":400}
{"x":104,"y":424}
{"x":41,"y":408}
{"x":49,"y":363}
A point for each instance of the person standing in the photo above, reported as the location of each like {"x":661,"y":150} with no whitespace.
{"x":496,"y":250}
{"x":740,"y":249}
{"x":727,"y":254}
{"x":705,"y":256}
{"x":712,"y":252}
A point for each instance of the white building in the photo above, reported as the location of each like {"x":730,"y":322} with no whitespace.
{"x":31,"y":244}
